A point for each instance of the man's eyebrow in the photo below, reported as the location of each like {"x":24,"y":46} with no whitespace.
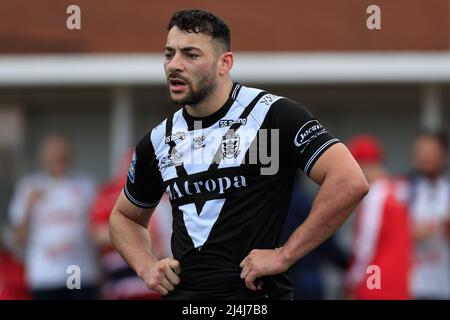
{"x":167,"y":48}
{"x":189,"y":48}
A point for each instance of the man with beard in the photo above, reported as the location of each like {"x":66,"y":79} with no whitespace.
{"x":429,"y":201}
{"x":228,"y":207}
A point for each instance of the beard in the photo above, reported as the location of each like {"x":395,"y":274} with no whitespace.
{"x":194,"y":96}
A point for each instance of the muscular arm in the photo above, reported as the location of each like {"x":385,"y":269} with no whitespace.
{"x":342,"y":187}
{"x":129,"y":235}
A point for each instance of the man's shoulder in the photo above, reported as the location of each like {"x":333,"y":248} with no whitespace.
{"x":31,"y":179}
{"x":157,"y":134}
{"x":266,"y":105}
{"x":269,"y":98}
{"x":246,"y":93}
{"x":282,"y":110}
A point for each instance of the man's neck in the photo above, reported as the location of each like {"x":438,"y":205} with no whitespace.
{"x":213,"y":102}
{"x":433,"y":178}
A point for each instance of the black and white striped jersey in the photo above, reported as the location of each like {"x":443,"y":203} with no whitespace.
{"x":229,"y":177}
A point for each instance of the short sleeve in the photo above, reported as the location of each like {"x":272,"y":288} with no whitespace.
{"x":302,"y":137}
{"x":144,"y":186}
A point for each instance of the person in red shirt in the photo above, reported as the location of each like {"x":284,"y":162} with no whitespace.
{"x":120,"y":281}
{"x":381,"y":262}
{"x":12,"y":276}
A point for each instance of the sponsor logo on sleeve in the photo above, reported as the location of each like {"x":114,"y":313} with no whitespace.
{"x":132,"y":169}
{"x":307,"y":133}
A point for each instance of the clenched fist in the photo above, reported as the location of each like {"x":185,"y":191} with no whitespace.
{"x":162,"y":276}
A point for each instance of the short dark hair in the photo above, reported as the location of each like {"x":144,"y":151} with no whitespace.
{"x":202,"y":21}
{"x":438,"y":135}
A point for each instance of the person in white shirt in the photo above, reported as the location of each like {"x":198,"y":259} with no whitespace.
{"x":50,"y":213}
{"x":430,"y":209}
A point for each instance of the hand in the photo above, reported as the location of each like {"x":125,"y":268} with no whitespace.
{"x":163,"y":276}
{"x":262,"y":263}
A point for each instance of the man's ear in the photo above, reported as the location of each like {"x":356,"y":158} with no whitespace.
{"x":226,"y":60}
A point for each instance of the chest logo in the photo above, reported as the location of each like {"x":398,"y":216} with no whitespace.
{"x":176,"y":136}
{"x":173,"y":159}
{"x":199,"y":142}
{"x":230,"y":146}
{"x":229,"y":123}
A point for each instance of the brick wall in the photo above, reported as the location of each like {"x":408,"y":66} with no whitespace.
{"x":257,"y":25}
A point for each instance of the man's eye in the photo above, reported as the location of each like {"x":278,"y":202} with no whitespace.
{"x":193,"y":55}
{"x":168,"y":55}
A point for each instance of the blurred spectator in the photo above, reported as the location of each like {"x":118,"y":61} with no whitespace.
{"x":12,"y":272}
{"x":382,"y":236}
{"x":49,"y":211}
{"x":430,"y":208}
{"x":305,"y":274}
{"x":120,"y":281}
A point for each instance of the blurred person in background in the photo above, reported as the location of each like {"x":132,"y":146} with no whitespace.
{"x":306,"y":274}
{"x":12,"y":272}
{"x":382,"y":236}
{"x":120,"y":281}
{"x":50,"y":213}
{"x":430,"y":208}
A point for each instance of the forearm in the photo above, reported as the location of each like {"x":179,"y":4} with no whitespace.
{"x":132,"y":241}
{"x":335,"y":201}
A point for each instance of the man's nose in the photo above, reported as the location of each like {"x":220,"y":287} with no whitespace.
{"x":176,"y":64}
